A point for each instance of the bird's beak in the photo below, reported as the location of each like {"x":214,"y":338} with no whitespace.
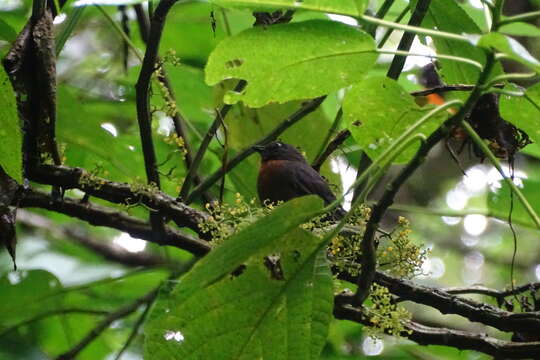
{"x":258,"y":148}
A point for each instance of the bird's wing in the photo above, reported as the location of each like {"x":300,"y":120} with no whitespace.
{"x":308,"y":181}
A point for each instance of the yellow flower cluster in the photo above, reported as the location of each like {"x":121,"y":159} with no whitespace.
{"x":385,"y":315}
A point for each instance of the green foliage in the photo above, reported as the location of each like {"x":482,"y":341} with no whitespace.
{"x":343,"y":7}
{"x":10,"y":131}
{"x":375,"y":130}
{"x":447,"y":15}
{"x":509,"y":48}
{"x":292,"y":61}
{"x":523,"y":111}
{"x":499,"y":202}
{"x":7,"y":33}
{"x":206,"y":316}
{"x":265,"y":290}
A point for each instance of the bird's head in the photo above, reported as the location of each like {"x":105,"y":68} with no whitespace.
{"x":276,"y":150}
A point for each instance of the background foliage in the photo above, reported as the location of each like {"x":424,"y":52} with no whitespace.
{"x":311,"y":78}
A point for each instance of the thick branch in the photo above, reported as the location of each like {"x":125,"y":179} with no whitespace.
{"x":101,"y":216}
{"x":451,"y":304}
{"x":120,"y":193}
{"x":425,"y":335}
{"x":178,"y":120}
{"x":102,"y":247}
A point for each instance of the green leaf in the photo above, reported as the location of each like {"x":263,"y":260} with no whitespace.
{"x":378,"y":110}
{"x":520,"y":29}
{"x":511,"y":48}
{"x":25,"y":294}
{"x":10,"y":132}
{"x":256,"y":313}
{"x":292,"y":61}
{"x":499,"y":202}
{"x":523,"y":111}
{"x":447,"y":15}
{"x":342,"y":7}
{"x":7,"y":32}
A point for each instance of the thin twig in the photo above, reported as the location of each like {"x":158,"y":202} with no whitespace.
{"x":55,"y":312}
{"x":407,"y":39}
{"x":446,"y":88}
{"x":134,"y":331}
{"x":332,"y":146}
{"x":329,"y":133}
{"x":306,"y":109}
{"x":220,"y":114}
{"x":106,"y":323}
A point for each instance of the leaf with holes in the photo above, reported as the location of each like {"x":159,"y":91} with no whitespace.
{"x":378,"y":110}
{"x":523,"y":111}
{"x":277,"y":306}
{"x":292,"y":61}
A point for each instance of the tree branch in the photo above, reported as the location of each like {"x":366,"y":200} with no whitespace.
{"x":498,"y":294}
{"x":163,"y":78}
{"x":119,"y":193}
{"x":101,"y":216}
{"x":51,"y":313}
{"x":425,"y":335}
{"x":79,"y":235}
{"x":332,"y":146}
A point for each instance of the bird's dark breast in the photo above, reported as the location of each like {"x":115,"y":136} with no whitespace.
{"x":274,"y":182}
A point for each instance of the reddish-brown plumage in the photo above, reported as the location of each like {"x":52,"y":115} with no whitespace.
{"x":284,"y":174}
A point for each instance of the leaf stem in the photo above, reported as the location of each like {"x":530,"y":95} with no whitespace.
{"x":495,"y":162}
{"x":120,"y":32}
{"x":415,"y":29}
{"x":437,"y":56}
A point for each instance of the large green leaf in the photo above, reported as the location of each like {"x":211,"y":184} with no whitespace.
{"x":258,"y":313}
{"x":447,"y":15}
{"x":520,"y":29}
{"x":499,"y":202}
{"x":523,"y":111}
{"x":378,"y":110}
{"x":511,"y":48}
{"x":10,"y":132}
{"x":292,"y":61}
{"x":342,"y":7}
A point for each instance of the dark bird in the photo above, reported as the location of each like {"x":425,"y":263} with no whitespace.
{"x":285,"y":174}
